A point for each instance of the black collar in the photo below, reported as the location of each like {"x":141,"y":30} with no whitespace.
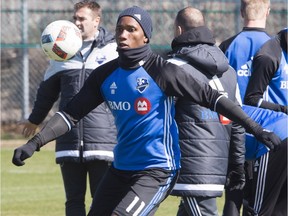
{"x":133,"y":58}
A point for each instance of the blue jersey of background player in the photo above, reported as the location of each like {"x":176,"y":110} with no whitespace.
{"x":241,"y":47}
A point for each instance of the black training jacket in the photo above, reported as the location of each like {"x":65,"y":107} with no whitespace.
{"x":205,"y":136}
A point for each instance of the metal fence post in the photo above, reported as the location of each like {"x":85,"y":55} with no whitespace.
{"x":25,"y":60}
{"x":238,"y":25}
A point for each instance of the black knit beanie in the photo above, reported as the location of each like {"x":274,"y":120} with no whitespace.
{"x":141,"y":16}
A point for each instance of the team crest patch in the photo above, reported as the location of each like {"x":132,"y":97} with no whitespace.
{"x":100,"y":58}
{"x":142,"y":84}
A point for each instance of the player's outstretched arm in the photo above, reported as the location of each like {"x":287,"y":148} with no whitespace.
{"x":58,"y":125}
{"x":235,"y":113}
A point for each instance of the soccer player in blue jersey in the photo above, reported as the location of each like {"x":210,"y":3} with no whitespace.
{"x":240,"y":49}
{"x":139,"y":88}
{"x":266,"y":193}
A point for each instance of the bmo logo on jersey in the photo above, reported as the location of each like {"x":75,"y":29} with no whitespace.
{"x":284,"y":85}
{"x":142,"y":106}
{"x":120,"y":105}
{"x":142,"y":84}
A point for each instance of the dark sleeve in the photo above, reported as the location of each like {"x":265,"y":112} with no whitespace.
{"x":58,"y":125}
{"x":238,"y":135}
{"x":237,"y":145}
{"x":47,"y":95}
{"x":235,"y":113}
{"x":175,"y":81}
{"x":89,"y":96}
{"x":265,"y":63}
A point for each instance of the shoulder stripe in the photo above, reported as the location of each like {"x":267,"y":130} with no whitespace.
{"x":65,"y":119}
{"x":177,"y":61}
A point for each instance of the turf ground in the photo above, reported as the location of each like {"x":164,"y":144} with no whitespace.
{"x":36,"y":188}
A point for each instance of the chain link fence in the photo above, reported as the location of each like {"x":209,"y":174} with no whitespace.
{"x":22,"y":21}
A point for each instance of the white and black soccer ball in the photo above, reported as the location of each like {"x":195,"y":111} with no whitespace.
{"x":61,"y":40}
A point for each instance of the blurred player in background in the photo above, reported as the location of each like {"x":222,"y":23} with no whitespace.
{"x":266,"y":193}
{"x":241,"y":47}
{"x":240,"y":50}
{"x":87,"y":150}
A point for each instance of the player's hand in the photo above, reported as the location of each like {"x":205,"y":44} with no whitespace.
{"x":23,"y":152}
{"x":235,"y":179}
{"x":29,"y":128}
{"x":268,"y":138}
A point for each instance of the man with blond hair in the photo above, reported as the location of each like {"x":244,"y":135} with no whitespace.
{"x":241,"y":47}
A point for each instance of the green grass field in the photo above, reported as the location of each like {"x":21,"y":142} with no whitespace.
{"x":36,"y":188}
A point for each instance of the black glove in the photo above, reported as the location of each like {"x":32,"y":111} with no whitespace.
{"x":268,"y":138}
{"x":235,"y":179}
{"x":284,"y":109}
{"x":25,"y":151}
